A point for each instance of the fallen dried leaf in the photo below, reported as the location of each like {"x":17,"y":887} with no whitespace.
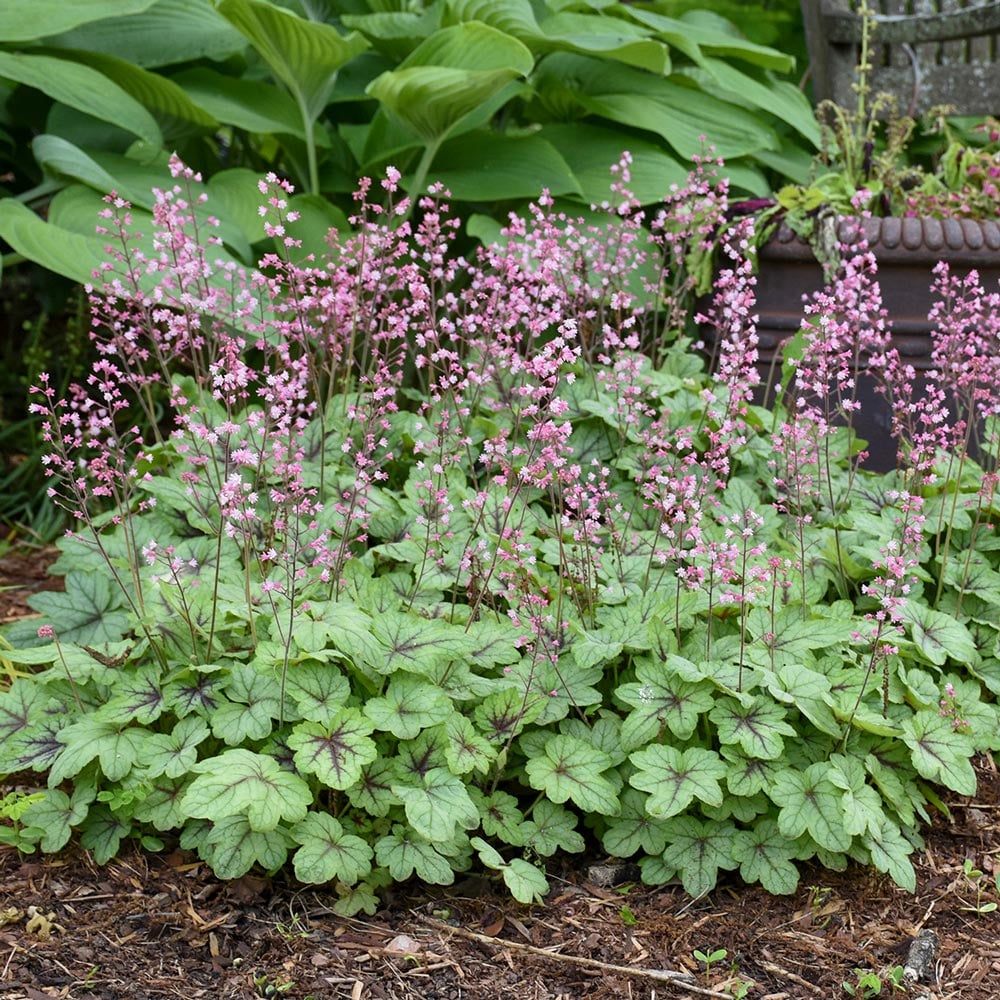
{"x":403,"y":944}
{"x":41,"y":925}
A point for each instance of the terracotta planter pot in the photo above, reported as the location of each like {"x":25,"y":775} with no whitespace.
{"x":906,"y":251}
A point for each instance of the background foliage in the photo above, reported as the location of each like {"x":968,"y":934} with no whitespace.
{"x":494,"y":99}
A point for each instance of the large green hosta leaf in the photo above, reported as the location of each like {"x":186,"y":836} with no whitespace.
{"x":431,"y":99}
{"x":82,"y":88}
{"x":251,"y":105}
{"x":701,"y":31}
{"x":303,"y":55}
{"x":396,"y":33}
{"x":513,"y":17}
{"x":777,"y":97}
{"x":60,"y":157}
{"x":487,"y":166}
{"x":449,"y":76}
{"x":176,"y":113}
{"x":164,"y":33}
{"x":607,"y":38}
{"x":76,"y":208}
{"x":24,"y":20}
{"x":679,"y":112}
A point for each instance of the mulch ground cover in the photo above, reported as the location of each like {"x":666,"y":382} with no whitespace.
{"x":152,"y":926}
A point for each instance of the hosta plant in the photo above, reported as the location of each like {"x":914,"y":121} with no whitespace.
{"x":494,"y":96}
{"x":430,"y":563}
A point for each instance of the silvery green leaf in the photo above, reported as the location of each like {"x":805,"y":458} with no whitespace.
{"x":572,"y":769}
{"x":939,"y":751}
{"x":697,"y":850}
{"x":174,"y":753}
{"x":89,"y":611}
{"x":748,"y":775}
{"x":661,"y":702}
{"x":232,"y":847}
{"x":102,"y":832}
{"x":406,"y":854}
{"x":810,"y":803}
{"x":251,"y":705}
{"x":466,"y":751}
{"x":890,"y":852}
{"x":327,"y":852}
{"x":939,"y":636}
{"x":355,"y":899}
{"x":526,"y":883}
{"x":138,"y":697}
{"x":766,"y":856}
{"x":372,"y":792}
{"x":550,"y":829}
{"x":501,"y":716}
{"x":408,"y":705}
{"x":604,"y":733}
{"x":336,"y":752}
{"x":412,"y":643}
{"x":161,"y":805}
{"x":676,"y":778}
{"x":436,"y":804}
{"x":756,"y":723}
{"x":634,"y":829}
{"x":116,"y":745}
{"x":319,"y":690}
{"x":58,"y":813}
{"x":500,"y":815}
{"x":246,"y":784}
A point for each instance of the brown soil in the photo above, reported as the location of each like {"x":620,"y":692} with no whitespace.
{"x":152,"y":926}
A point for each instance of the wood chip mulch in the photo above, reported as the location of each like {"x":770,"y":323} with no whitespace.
{"x":157,"y":926}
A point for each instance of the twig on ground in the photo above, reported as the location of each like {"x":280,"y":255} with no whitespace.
{"x":777,"y":970}
{"x":681,"y":980}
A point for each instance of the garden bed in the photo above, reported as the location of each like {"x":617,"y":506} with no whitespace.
{"x":158,"y":926}
{"x":162,"y":926}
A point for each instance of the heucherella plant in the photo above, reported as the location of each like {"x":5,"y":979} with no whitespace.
{"x":399,"y":561}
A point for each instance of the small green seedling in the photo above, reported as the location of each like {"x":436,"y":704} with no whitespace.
{"x":978,"y":881}
{"x":269,"y":990}
{"x":710,"y":959}
{"x":738,"y":989}
{"x":869,"y":984}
